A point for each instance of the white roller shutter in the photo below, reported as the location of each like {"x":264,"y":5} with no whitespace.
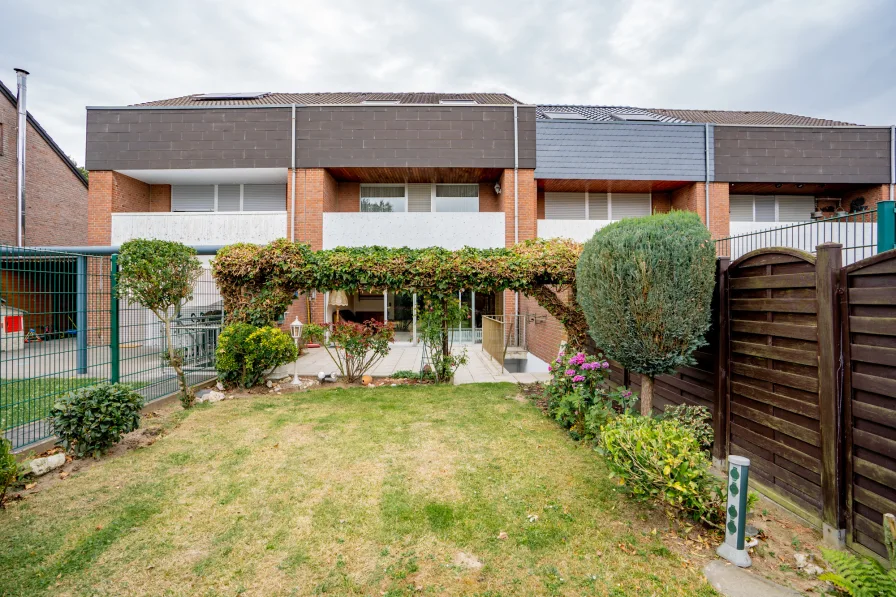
{"x":598,"y":206}
{"x":765,"y":208}
{"x":193,"y":197}
{"x":228,"y":197}
{"x":740,"y":208}
{"x":795,"y":208}
{"x":264,"y":197}
{"x":629,"y":205}
{"x":564,"y":206}
{"x":420,"y":197}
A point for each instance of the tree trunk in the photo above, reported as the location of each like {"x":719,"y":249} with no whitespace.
{"x":186,"y":392}
{"x":646,"y":395}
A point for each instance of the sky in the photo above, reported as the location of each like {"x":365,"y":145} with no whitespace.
{"x":825,"y":58}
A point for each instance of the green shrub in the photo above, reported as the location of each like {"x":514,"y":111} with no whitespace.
{"x":645,"y":287}
{"x":661,"y":460}
{"x":578,"y":396}
{"x":92,"y":419}
{"x":9,"y":469}
{"x":354,"y":347}
{"x":696,"y":418}
{"x":246,"y":353}
{"x":864,"y":577}
{"x":435,"y":320}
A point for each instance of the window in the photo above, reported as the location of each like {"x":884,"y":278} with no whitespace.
{"x":383,"y":198}
{"x":458,"y":102}
{"x":228,"y":197}
{"x":635,"y":117}
{"x":381,"y":102}
{"x":240,"y":95}
{"x":771,"y":208}
{"x":596,"y":206}
{"x":564,"y":116}
{"x":457,"y":197}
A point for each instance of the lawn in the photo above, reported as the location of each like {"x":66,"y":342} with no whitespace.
{"x":26,"y":400}
{"x":386,"y":491}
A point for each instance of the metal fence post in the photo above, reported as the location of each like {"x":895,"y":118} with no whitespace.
{"x":828,"y":263}
{"x":114,"y":344}
{"x":886,"y":226}
{"x":81,"y":313}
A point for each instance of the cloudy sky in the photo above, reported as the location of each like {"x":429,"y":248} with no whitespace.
{"x":826,"y":58}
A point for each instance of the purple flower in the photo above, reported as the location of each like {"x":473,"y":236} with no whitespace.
{"x":578,"y":378}
{"x":626,"y":393}
{"x":570,"y":372}
{"x":550,"y":368}
{"x":605,"y":365}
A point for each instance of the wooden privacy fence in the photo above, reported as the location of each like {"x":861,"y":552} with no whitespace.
{"x":800,"y":376}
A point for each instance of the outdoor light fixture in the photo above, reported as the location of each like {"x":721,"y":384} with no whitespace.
{"x":295,"y":330}
{"x":778,"y":186}
{"x":497,"y":188}
{"x":799,"y":186}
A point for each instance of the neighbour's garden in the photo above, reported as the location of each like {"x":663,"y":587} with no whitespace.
{"x":418,"y":489}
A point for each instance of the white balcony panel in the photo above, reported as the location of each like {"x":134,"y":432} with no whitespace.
{"x":577,"y":230}
{"x":452,"y":230}
{"x":201,"y":228}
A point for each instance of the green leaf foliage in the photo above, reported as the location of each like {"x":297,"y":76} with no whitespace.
{"x":90,"y":420}
{"x":246,"y":352}
{"x":157,"y":274}
{"x":434,"y":323}
{"x":661,"y":460}
{"x":695,"y":418}
{"x":258,"y":282}
{"x":354,"y":347}
{"x":645,"y":285}
{"x":9,"y":470}
{"x":859,"y":576}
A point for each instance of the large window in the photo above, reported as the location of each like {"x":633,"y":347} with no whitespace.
{"x":596,"y":206}
{"x":420,"y":197}
{"x":383,"y":198}
{"x":228,"y":197}
{"x":771,"y":208}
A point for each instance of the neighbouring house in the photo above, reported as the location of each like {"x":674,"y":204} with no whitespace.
{"x":455,"y":169}
{"x":55,"y":190}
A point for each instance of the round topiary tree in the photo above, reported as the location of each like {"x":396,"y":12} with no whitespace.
{"x":645,"y":286}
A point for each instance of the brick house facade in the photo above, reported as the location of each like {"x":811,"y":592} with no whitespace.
{"x":578,"y":168}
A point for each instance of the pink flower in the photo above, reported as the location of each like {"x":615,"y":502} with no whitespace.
{"x":570,"y":372}
{"x":550,"y":368}
{"x":605,"y":365}
{"x":578,"y":378}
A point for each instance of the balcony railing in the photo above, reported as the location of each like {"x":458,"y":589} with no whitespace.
{"x":416,"y":230}
{"x":200,"y":228}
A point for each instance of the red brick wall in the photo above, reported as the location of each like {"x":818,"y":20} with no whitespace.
{"x":348,"y":197}
{"x":112,"y":192}
{"x":489,"y":201}
{"x":692,"y":198}
{"x":545,"y":333}
{"x":526,"y":208}
{"x":539,"y":206}
{"x":55,"y":198}
{"x":662,"y":203}
{"x":160,"y":197}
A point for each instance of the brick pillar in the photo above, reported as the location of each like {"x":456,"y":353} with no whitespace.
{"x":692,"y":198}
{"x":526,"y":208}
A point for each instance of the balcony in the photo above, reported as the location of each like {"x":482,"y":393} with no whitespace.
{"x":200,"y":228}
{"x":416,"y":230}
{"x":577,"y":230}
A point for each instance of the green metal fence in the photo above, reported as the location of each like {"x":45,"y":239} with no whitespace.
{"x":62,"y":327}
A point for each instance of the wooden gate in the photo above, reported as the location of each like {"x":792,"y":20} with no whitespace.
{"x":774,"y":375}
{"x":868,"y":313}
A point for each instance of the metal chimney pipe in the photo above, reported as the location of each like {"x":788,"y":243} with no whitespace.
{"x":22,"y":127}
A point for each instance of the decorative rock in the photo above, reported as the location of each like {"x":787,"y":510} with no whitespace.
{"x":210,"y":396}
{"x":502,"y":535}
{"x":219,"y":386}
{"x":42,"y":466}
{"x":366,"y":380}
{"x":813,"y":570}
{"x":269,"y":383}
{"x":802,"y":560}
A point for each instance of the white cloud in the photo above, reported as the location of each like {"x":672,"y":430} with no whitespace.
{"x":829,"y":58}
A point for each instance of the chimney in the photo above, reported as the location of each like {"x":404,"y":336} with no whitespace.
{"x":21,"y":129}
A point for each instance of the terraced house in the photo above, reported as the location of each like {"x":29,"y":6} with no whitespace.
{"x":453,"y":170}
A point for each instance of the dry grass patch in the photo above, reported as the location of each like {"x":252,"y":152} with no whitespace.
{"x":344,"y":492}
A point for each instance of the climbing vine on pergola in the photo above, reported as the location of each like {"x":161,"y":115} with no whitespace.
{"x":258,"y":282}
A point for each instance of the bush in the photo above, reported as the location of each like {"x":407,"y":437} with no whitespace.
{"x":355,"y":347}
{"x":9,"y":469}
{"x":696,"y":419}
{"x":246,"y":352}
{"x":645,"y":286}
{"x":92,"y":419}
{"x":434,"y":322}
{"x":578,"y":397}
{"x":661,"y":460}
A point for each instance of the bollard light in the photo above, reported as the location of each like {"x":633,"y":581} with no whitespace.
{"x":733,"y":549}
{"x":295,"y":330}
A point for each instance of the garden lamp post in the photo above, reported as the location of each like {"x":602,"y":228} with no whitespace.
{"x":295,"y":330}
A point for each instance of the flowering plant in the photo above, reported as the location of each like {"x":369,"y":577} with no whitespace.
{"x":579,"y":396}
{"x":354,"y":347}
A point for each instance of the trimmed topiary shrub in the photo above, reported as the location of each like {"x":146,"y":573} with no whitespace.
{"x":645,"y":286}
{"x":92,"y":419}
{"x":246,"y":353}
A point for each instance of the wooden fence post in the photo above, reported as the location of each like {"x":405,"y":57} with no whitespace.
{"x":720,"y":408}
{"x":827,"y":282}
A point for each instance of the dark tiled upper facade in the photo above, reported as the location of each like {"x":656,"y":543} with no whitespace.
{"x":477,"y":130}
